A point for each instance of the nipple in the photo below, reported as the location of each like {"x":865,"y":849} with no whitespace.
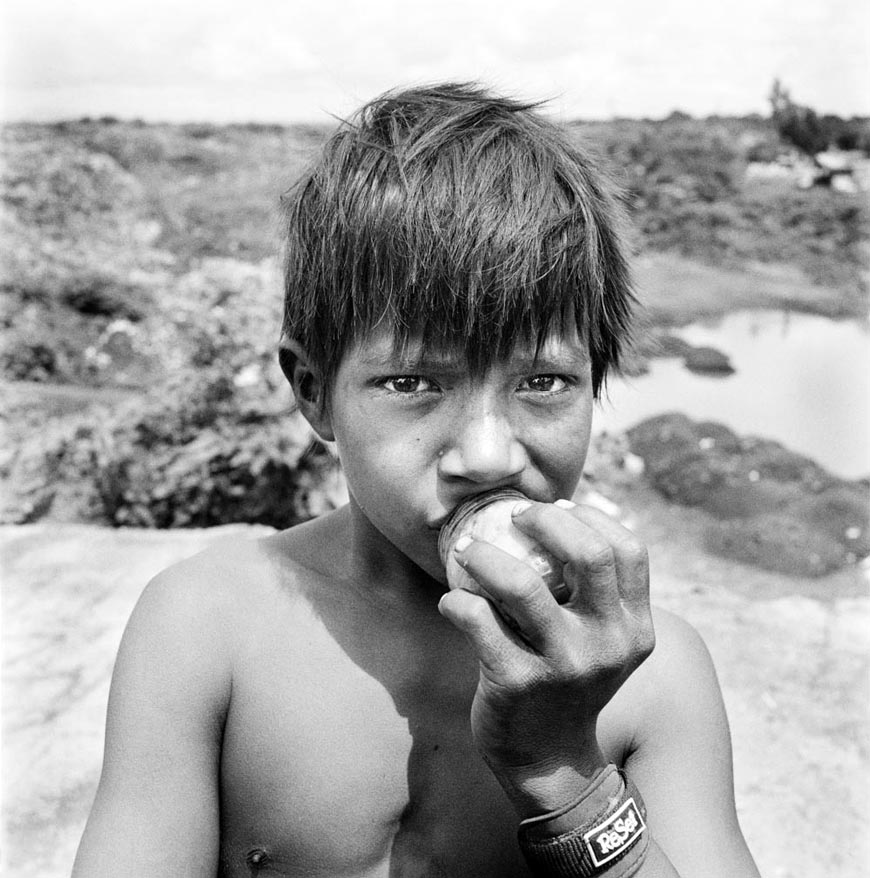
{"x":256,"y":859}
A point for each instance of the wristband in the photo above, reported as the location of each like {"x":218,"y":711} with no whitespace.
{"x":610,"y":837}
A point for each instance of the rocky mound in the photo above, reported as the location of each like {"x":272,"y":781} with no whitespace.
{"x":699,"y":359}
{"x":768,"y":506}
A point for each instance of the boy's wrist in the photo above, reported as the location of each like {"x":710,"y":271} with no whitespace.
{"x":593,"y":800}
{"x":548,"y":787}
{"x":602,"y":832}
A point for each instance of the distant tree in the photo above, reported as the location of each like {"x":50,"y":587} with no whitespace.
{"x":796,"y":124}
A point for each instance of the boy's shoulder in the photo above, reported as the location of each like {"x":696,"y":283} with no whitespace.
{"x":236,"y":578}
{"x":679,"y":661}
{"x":674,"y":694}
{"x":677,"y":641}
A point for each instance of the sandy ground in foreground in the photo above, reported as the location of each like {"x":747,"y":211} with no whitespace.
{"x":793,"y":663}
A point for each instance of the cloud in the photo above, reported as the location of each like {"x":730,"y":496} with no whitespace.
{"x":246,"y":55}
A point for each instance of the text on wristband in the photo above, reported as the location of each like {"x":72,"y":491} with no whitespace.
{"x":616,"y":834}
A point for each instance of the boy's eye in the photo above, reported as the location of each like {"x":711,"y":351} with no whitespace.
{"x":544,"y":383}
{"x":407,"y":384}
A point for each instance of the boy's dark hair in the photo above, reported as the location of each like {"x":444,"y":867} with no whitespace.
{"x":459,"y":218}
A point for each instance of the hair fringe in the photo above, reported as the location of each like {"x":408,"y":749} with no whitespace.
{"x":462,"y":220}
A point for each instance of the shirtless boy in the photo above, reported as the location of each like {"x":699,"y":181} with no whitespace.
{"x":318,"y":702}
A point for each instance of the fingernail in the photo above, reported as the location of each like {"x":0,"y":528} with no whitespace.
{"x":565,"y":504}
{"x":520,"y":507}
{"x":462,"y":543}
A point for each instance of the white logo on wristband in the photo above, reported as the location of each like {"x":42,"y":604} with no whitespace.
{"x":615,"y":835}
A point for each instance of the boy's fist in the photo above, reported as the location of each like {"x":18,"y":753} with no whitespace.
{"x":547,"y":669}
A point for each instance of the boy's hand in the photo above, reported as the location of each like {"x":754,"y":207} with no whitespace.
{"x":547,"y":669}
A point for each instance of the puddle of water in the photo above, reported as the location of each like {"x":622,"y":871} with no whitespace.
{"x":800,"y":379}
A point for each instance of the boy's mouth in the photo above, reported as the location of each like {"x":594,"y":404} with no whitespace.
{"x":442,"y":519}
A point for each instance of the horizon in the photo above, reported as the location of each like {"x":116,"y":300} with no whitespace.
{"x":329,"y":121}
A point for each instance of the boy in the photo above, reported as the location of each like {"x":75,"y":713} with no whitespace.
{"x":318,"y":703}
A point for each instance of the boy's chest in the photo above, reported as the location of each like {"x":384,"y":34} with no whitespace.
{"x":342,"y":767}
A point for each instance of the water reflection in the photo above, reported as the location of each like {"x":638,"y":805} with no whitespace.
{"x":800,"y":379}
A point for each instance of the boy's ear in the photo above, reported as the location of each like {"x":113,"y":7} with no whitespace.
{"x":307,"y":384}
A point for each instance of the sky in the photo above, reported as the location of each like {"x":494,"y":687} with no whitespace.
{"x":287,"y":60}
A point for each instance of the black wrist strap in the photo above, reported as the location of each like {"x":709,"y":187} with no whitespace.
{"x":613,"y":842}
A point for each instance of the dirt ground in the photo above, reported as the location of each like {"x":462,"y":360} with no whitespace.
{"x":675,"y":290}
{"x":792,"y":658}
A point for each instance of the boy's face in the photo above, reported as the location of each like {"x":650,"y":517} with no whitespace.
{"x":418,"y":434}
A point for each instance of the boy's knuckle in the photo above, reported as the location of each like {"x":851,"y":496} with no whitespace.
{"x":478,"y":615}
{"x":609,"y":667}
{"x":647,"y":642}
{"x":627,"y":650}
{"x":527,"y":585}
{"x":635,"y":554}
{"x":601,"y":557}
{"x":527,"y":680}
{"x":623,"y":650}
{"x":640,"y":643}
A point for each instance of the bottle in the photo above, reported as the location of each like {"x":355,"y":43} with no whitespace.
{"x":487,"y":517}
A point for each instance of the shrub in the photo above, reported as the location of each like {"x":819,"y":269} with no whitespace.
{"x":199,"y":452}
{"x":264,"y":472}
{"x":214,"y":441}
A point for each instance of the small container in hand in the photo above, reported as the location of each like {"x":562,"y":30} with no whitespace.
{"x":488,"y":517}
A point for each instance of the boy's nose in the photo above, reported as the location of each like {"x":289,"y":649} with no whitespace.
{"x":483,"y":447}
